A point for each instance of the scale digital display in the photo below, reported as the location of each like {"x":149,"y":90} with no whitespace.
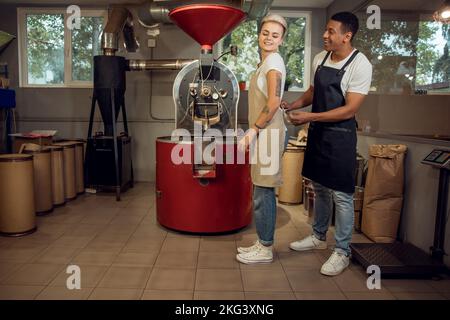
{"x":443,"y":157}
{"x":434,"y":155}
{"x":440,"y":158}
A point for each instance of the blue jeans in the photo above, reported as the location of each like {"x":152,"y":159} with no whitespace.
{"x":265,"y":211}
{"x":344,"y":216}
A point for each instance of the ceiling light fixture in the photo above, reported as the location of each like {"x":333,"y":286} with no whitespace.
{"x":443,"y":14}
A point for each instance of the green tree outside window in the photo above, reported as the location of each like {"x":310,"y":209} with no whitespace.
{"x":292,"y":51}
{"x":86,"y":45}
{"x":407,"y":55}
{"x":45,"y":49}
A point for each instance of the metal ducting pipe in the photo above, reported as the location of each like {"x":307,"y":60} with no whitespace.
{"x":119,"y":20}
{"x":129,"y":39}
{"x":140,"y":65}
{"x":152,"y":13}
{"x":256,"y":9}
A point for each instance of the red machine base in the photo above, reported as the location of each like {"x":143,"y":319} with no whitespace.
{"x":201,"y":205}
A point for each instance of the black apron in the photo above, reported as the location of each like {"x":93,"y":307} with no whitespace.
{"x":330,"y":157}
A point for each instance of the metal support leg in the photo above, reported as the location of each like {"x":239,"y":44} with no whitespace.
{"x":125,"y":127}
{"x":89,"y":155}
{"x":124,"y":116}
{"x":437,"y":250}
{"x":132,"y":176}
{"x":116,"y":154}
{"x":91,"y":117}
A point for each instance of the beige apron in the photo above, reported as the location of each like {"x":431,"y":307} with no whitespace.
{"x":256,"y":103}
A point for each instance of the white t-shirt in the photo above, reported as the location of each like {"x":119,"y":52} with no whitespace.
{"x":272,"y":62}
{"x":357,"y":76}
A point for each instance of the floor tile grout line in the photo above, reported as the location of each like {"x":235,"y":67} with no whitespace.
{"x":34,"y":298}
{"x":32,"y":285}
{"x":196,"y":267}
{"x":109,"y":266}
{"x":76,"y":252}
{"x":284,"y":270}
{"x":241,"y":274}
{"x":154,"y":265}
{"x":338,"y":286}
{"x":287,"y":278}
{"x":48,"y":283}
{"x":4,"y":277}
{"x":12,"y":273}
{"x":28,"y":259}
{"x":100,"y":280}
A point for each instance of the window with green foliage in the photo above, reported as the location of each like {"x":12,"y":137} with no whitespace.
{"x":408,"y":55}
{"x":296,"y":50}
{"x":53,"y":55}
{"x":45,"y":48}
{"x":85,"y":45}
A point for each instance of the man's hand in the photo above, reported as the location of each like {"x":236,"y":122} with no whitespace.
{"x":246,"y":140}
{"x":305,"y":100}
{"x":300,"y":117}
{"x":286,"y":105}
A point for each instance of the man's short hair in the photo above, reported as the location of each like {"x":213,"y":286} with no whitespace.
{"x":349,"y":22}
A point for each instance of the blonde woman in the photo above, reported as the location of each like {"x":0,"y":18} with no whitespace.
{"x":268,"y":131}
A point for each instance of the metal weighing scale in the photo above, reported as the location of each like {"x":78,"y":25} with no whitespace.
{"x":404,"y":259}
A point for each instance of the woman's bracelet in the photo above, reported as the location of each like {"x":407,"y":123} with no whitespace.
{"x":259,"y":128}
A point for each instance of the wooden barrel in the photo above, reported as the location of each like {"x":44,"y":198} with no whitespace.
{"x":80,"y":151}
{"x":17,"y":210}
{"x":70,"y":186}
{"x":43,"y":199}
{"x":79,"y":166}
{"x":57,"y":161}
{"x":291,"y":190}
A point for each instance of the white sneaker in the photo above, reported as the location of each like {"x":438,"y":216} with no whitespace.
{"x":309,"y":243}
{"x":255,"y":246}
{"x":262,"y":254}
{"x":335,"y":264}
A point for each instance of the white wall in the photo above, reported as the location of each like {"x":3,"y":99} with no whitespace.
{"x":407,"y":114}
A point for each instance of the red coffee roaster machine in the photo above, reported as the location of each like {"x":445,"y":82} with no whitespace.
{"x":212,"y":194}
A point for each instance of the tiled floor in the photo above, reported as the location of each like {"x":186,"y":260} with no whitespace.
{"x":124,"y":254}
